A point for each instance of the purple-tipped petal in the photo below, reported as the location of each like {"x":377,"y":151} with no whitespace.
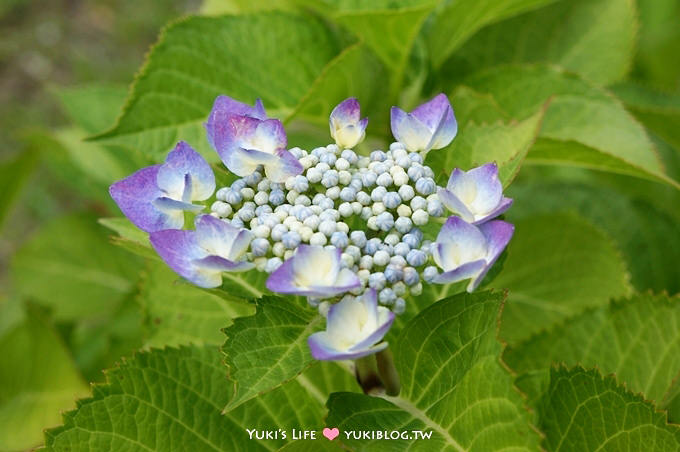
{"x":347,"y":129}
{"x":285,"y":166}
{"x":178,"y":248}
{"x":488,"y":187}
{"x":409,"y":131}
{"x":455,"y":205}
{"x":172,"y":206}
{"x":221,"y":264}
{"x":225,"y":107}
{"x":180,"y":162}
{"x":346,"y":112}
{"x":282,"y":280}
{"x":465,"y":271}
{"x":498,"y":234}
{"x":502,"y":207}
{"x":221,"y":238}
{"x":135,"y":196}
{"x":385,"y":320}
{"x":322,"y":349}
{"x":458,"y":242}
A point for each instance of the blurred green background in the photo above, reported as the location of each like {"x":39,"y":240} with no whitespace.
{"x":69,"y":299}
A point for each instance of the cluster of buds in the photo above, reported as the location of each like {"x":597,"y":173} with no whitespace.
{"x":343,"y":229}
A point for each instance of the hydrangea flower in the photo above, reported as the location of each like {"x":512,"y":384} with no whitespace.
{"x":467,"y":251}
{"x":201,"y":255}
{"x":476,"y":195}
{"x":313,"y":271}
{"x":345,"y":230}
{"x":431,"y":125}
{"x":156,"y":197}
{"x":354,"y":326}
{"x":245,"y":139}
{"x":347,"y":127}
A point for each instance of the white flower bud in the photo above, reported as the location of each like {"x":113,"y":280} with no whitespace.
{"x":247,"y":193}
{"x":314,"y":175}
{"x":305,"y":233}
{"x":222,"y":209}
{"x":288,"y":254}
{"x":372,"y":223}
{"x":292,"y":195}
{"x":278,"y":249}
{"x":341,"y":164}
{"x":356,"y":207}
{"x":381,"y":258}
{"x":312,"y":222}
{"x":333,"y":192}
{"x":347,"y":260}
{"x":317,"y":239}
{"x":307,"y":161}
{"x":378,"y":208}
{"x":420,"y":217}
{"x":342,"y":227}
{"x":261,"y":231}
{"x":344,"y":177}
{"x":404,"y":211}
{"x":345,"y":209}
{"x":400,"y":179}
{"x":261,"y":198}
{"x":384,"y":180}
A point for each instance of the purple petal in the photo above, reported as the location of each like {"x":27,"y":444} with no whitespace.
{"x":408,"y":130}
{"x":225,"y":107}
{"x":462,"y":234}
{"x":346,"y":112}
{"x":498,"y":234}
{"x":454,"y":204}
{"x":183,"y":161}
{"x":178,"y":248}
{"x":282,"y":280}
{"x":221,"y":238}
{"x":323,"y":350}
{"x":135,"y":195}
{"x":431,"y":112}
{"x":502,"y":207}
{"x":488,"y":188}
{"x":385,"y":322}
{"x":285,"y":166}
{"x":465,"y":271}
{"x":168,"y":205}
{"x":220,"y":264}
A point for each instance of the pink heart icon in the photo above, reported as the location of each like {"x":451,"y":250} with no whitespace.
{"x":331,"y":433}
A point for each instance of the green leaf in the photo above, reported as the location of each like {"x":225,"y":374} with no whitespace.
{"x":506,"y":144}
{"x":69,"y":266}
{"x":647,"y":236}
{"x":609,"y":138}
{"x":658,"y":43}
{"x":172,"y":399}
{"x":557,"y":266}
{"x":199,"y":58}
{"x":14,"y":173}
{"x":456,"y":21}
{"x":453,"y":384}
{"x":179,"y":313}
{"x":389,"y":28}
{"x":92,"y":107}
{"x":585,"y":411}
{"x":269,"y":348}
{"x":638,"y":339}
{"x":129,"y":237}
{"x":37,"y":380}
{"x":594,"y":38}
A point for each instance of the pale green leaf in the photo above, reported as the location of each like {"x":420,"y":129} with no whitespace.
{"x":453,"y":384}
{"x":609,"y":137}
{"x":506,"y":144}
{"x":557,"y":266}
{"x":92,"y":107}
{"x":594,"y":38}
{"x":38,"y":379}
{"x":456,"y":21}
{"x":69,"y":266}
{"x":179,"y":313}
{"x":584,"y":411}
{"x":647,"y":236}
{"x":172,"y":399}
{"x":638,"y":339}
{"x":14,"y":174}
{"x":199,"y":58}
{"x":265,"y":350}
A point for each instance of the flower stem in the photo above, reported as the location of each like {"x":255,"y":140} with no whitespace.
{"x":388,"y":372}
{"x":367,"y":375}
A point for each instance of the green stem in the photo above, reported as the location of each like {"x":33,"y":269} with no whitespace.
{"x":367,"y":375}
{"x":388,"y":372}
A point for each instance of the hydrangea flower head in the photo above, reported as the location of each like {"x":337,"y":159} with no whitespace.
{"x":347,"y":231}
{"x":431,"y":125}
{"x":156,"y":197}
